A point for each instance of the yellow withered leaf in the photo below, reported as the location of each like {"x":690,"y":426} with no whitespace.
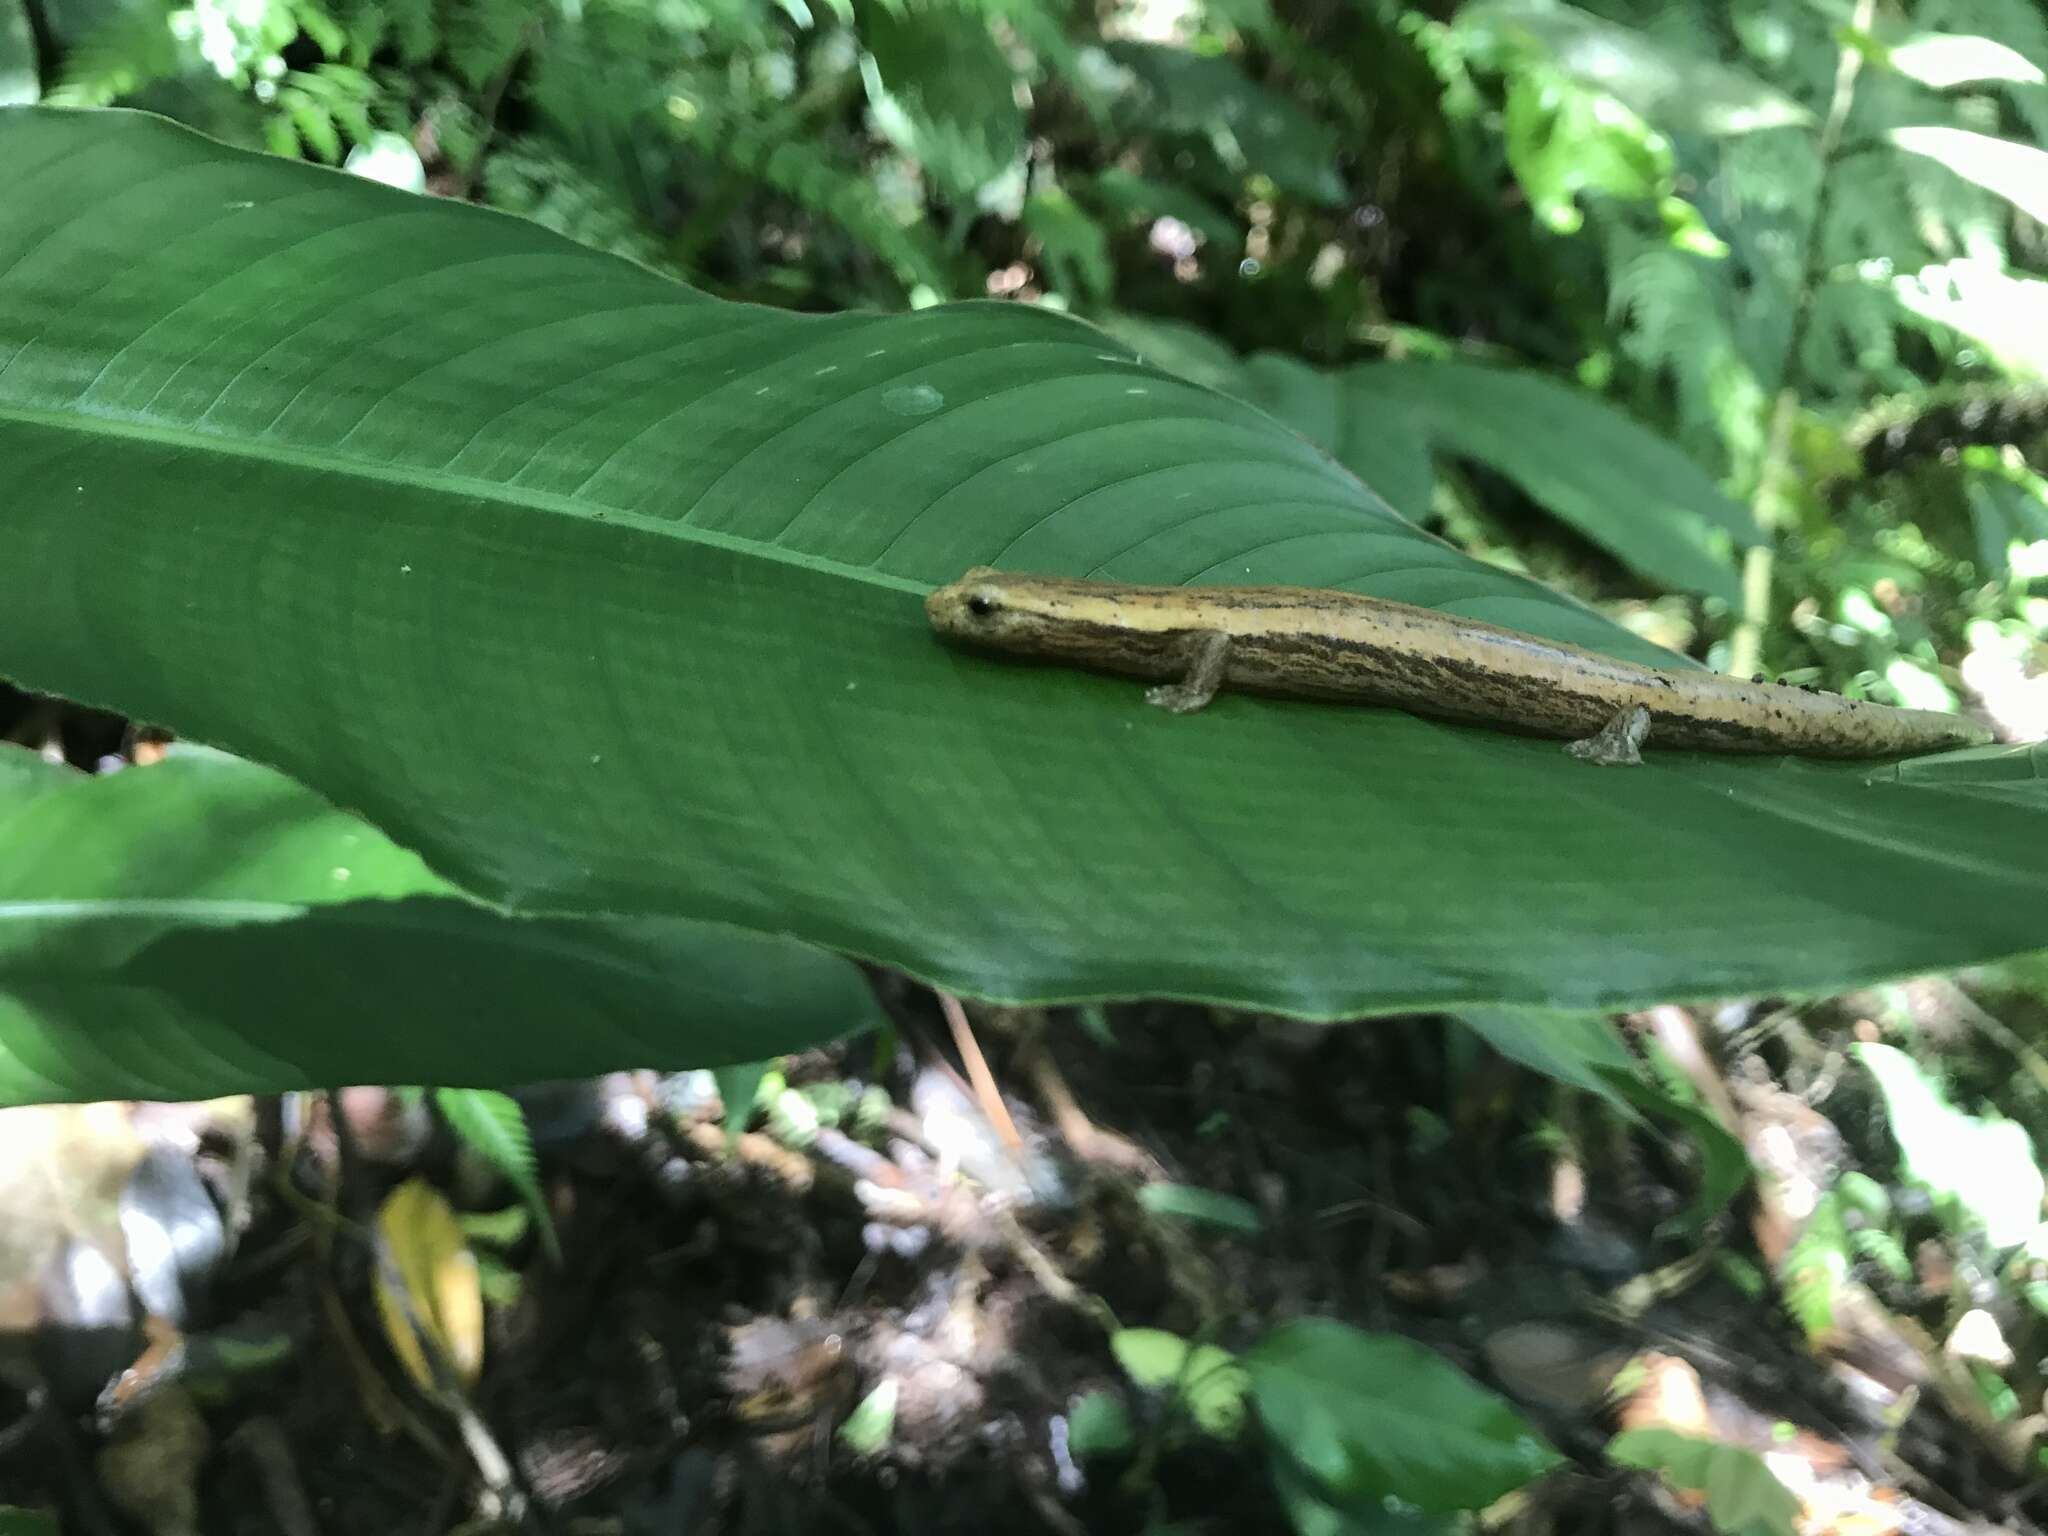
{"x":427,"y":1278}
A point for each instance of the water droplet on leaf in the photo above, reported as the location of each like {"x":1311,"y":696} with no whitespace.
{"x":913,"y":399}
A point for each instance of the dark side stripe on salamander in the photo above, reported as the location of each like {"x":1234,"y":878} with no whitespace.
{"x":1302,"y":642}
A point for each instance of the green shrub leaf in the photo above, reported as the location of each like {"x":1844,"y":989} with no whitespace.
{"x":1098,"y":1425}
{"x":1208,"y":1380}
{"x":1582,"y":1050}
{"x":1378,"y":1417}
{"x":1743,"y":1498}
{"x":1616,"y":482}
{"x":1311,"y":1513}
{"x":1205,"y":1207}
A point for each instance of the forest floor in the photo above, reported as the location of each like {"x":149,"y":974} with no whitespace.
{"x":706,"y":1356}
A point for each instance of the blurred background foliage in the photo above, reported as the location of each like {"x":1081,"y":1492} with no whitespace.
{"x":1803,"y":241}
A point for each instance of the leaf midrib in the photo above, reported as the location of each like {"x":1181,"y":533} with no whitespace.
{"x":86,"y":423}
{"x":203,"y":910}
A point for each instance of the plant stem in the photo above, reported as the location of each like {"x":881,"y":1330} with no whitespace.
{"x":489,"y":107}
{"x":1745,"y":648}
{"x":1759,"y":562}
{"x":43,"y":38}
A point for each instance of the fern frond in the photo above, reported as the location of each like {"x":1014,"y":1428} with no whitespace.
{"x":1850,"y":344}
{"x":1873,"y":210}
{"x":320,"y":28}
{"x":1675,"y":319}
{"x":1884,"y":1250}
{"x":321,"y":104}
{"x":493,"y":1125}
{"x":410,"y":28}
{"x":537,"y":181}
{"x":816,"y":181}
{"x":1767,"y":172}
{"x":131,"y":49}
{"x":483,"y":40}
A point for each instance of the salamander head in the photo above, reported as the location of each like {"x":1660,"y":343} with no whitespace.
{"x":987,"y":607}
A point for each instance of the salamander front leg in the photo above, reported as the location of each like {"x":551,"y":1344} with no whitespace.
{"x":1208,"y":654}
{"x":1615,"y":744}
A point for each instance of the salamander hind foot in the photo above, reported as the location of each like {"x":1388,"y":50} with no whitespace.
{"x":1207,"y":655}
{"x":1617,"y":743}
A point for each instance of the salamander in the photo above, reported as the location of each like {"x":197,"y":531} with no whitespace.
{"x":1311,"y":643}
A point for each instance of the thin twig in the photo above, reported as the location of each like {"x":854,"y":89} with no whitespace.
{"x":1087,"y":1140}
{"x":985,"y":1090}
{"x":23,"y":1429}
{"x":49,"y":51}
{"x":265,"y":1445}
{"x":1051,"y":1279}
{"x":510,"y":1498}
{"x":494,"y":99}
{"x":1994,"y":1029}
{"x":385,"y":1410}
{"x":1745,"y":646}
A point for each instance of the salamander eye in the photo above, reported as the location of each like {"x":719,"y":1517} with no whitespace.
{"x":981,"y":605}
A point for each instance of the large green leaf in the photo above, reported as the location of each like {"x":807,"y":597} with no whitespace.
{"x":206,"y":926}
{"x":606,"y":597}
{"x":1375,"y":437}
{"x":1617,"y":483}
{"x":25,"y":775}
